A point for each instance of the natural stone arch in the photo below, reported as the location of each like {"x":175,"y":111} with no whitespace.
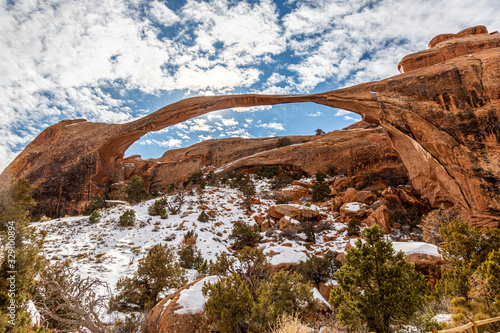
{"x":442,"y":118}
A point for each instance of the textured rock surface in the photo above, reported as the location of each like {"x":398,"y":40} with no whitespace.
{"x":163,"y":319}
{"x":443,"y":120}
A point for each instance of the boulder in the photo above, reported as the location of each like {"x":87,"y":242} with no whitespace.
{"x":343,"y":182}
{"x":366,"y":197}
{"x":335,"y":204}
{"x":350,"y":195}
{"x":180,"y":312}
{"x":294,"y":192}
{"x":279,"y":211}
{"x":354,"y":209}
{"x":380,"y":217}
{"x":302,"y":183}
{"x":308,"y":214}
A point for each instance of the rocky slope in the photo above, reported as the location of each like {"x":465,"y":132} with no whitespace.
{"x":441,"y":114}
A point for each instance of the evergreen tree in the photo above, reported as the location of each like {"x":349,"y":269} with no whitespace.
{"x":376,"y":286}
{"x":158,"y":271}
{"x":284,"y":294}
{"x":135,"y":189}
{"x":243,"y":235}
{"x":22,"y":242}
{"x":465,"y":248}
{"x":229,"y":304}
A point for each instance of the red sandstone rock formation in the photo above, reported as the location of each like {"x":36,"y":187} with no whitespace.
{"x":443,"y":120}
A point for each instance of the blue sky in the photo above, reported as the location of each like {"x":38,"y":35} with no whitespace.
{"x":117,"y":60}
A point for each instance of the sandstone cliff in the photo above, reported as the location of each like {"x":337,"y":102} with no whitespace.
{"x":441,"y":114}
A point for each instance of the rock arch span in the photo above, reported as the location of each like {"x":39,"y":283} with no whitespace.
{"x":442,"y":116}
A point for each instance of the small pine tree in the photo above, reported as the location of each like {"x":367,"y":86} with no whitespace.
{"x":156,"y":272}
{"x":243,"y":235}
{"x":94,"y":217}
{"x":320,"y":191}
{"x":377,"y":287}
{"x":127,"y":219}
{"x":228,"y":304}
{"x":283,"y":142}
{"x":353,"y":227}
{"x":135,"y":189}
{"x":317,"y":269}
{"x":190,"y":257}
{"x":319,"y":131}
{"x":203,"y":217}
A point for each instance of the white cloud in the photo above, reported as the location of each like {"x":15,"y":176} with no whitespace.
{"x":252,"y":108}
{"x":356,"y":41}
{"x":81,"y":59}
{"x":204,"y":138}
{"x":272,"y":125}
{"x":229,"y":122}
{"x":241,"y":133}
{"x":171,"y":143}
{"x":162,"y":14}
{"x":316,"y":114}
{"x":200,"y":125}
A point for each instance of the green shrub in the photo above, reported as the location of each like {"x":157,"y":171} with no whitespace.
{"x":317,"y":269}
{"x":353,"y":227}
{"x":283,"y":142}
{"x":280,"y":181}
{"x":204,"y":268}
{"x":268,"y":171}
{"x":320,"y":177}
{"x":319,"y":131}
{"x":377,"y":287}
{"x":195,"y":178}
{"x":320,"y":191}
{"x":94,"y":217}
{"x":127,"y":219}
{"x":203,"y":217}
{"x":163,"y":214}
{"x":135,"y":189}
{"x":158,"y":206}
{"x":156,"y":272}
{"x":285,"y":293}
{"x":233,"y":306}
{"x":332,"y":170}
{"x":96,"y":203}
{"x":228,"y":304}
{"x":243,"y":235}
{"x":190,"y":257}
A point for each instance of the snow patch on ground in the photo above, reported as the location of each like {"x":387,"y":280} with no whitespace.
{"x":443,"y":318}
{"x":352,"y":206}
{"x":36,"y":318}
{"x":286,"y":255}
{"x":192,"y":300}
{"x":416,"y":247}
{"x":317,"y":295}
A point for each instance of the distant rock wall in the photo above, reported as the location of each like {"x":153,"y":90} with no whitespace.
{"x":441,"y":115}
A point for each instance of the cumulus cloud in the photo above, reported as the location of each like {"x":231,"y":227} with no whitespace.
{"x":229,"y":122}
{"x":315,"y":114}
{"x":204,"y":137}
{"x":171,"y":143}
{"x":350,"y":42}
{"x":96,"y":59}
{"x":272,"y":125}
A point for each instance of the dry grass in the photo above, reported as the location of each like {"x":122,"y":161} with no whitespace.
{"x":290,"y":324}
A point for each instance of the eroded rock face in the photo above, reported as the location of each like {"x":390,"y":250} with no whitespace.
{"x":168,"y":317}
{"x":442,"y":116}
